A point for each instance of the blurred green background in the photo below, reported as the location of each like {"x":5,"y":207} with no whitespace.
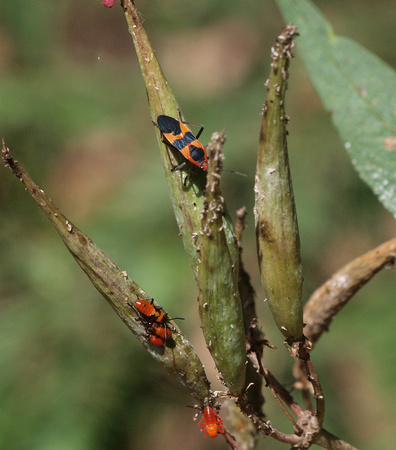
{"x":73,"y":111}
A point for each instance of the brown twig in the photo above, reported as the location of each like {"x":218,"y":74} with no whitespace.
{"x":306,"y":397}
{"x":254,"y":352}
{"x":329,"y":298}
{"x":279,"y":391}
{"x":265,"y":426}
{"x":308,"y":425}
{"x":300,"y":351}
{"x":276,"y":388}
{"x":331,"y":442}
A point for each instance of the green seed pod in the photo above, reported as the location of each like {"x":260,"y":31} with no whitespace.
{"x":219,"y":300}
{"x":187,"y":202}
{"x":119,"y":290}
{"x":275,"y":213}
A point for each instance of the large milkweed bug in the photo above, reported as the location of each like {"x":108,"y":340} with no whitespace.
{"x":211,"y":423}
{"x":151,"y":312}
{"x":176,"y":134}
{"x":156,"y":321}
{"x":158,"y":334}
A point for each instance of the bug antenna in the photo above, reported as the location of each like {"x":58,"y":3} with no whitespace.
{"x":235,"y":172}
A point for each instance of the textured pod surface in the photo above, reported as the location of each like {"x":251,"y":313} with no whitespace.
{"x":276,"y":220}
{"x":242,"y":427}
{"x":219,"y":300}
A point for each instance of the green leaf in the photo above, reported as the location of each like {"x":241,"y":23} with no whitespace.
{"x":358,"y":88}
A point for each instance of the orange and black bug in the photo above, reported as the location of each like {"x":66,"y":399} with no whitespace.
{"x":211,"y":423}
{"x":156,"y":321}
{"x":151,"y":312}
{"x":176,"y":134}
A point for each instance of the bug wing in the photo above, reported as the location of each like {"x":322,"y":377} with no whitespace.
{"x":168,"y":125}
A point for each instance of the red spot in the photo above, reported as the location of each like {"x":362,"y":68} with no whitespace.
{"x":155,"y":340}
{"x":108,"y":3}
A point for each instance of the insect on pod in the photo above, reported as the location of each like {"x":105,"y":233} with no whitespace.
{"x":155,"y":320}
{"x":176,"y":134}
{"x":211,"y":423}
{"x":151,"y":312}
{"x":160,"y":330}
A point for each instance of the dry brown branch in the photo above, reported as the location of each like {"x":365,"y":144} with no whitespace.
{"x":332,"y":296}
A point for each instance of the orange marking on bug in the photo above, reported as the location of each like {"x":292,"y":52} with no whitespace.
{"x":211,"y":423}
{"x":160,"y":330}
{"x":155,"y":340}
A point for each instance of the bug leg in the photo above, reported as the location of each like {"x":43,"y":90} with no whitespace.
{"x":189,"y":175}
{"x":200,"y":130}
{"x":180,"y":166}
{"x":156,"y":124}
{"x":201,"y":127}
{"x":181,"y":115}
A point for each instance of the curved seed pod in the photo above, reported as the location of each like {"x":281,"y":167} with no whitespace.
{"x":187,"y":202}
{"x":118,"y":289}
{"x":275,"y":213}
{"x":219,"y":301}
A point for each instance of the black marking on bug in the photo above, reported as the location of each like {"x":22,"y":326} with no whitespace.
{"x":169,"y":125}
